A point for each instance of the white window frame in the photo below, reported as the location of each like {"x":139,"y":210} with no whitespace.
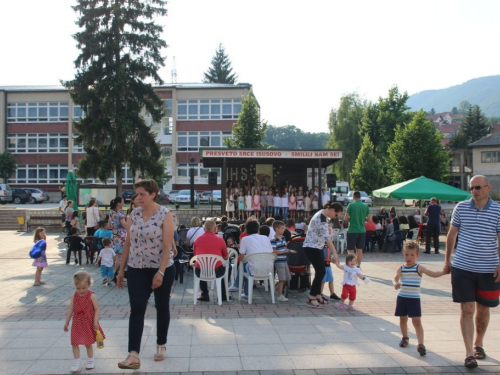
{"x":195,"y":139}
{"x":62,"y":171}
{"x":490,"y":156}
{"x":208,"y":109}
{"x":34,"y":112}
{"x":200,"y":173}
{"x":14,"y":141}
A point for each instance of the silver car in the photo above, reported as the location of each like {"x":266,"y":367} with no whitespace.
{"x":184,"y":196}
{"x":5,"y":194}
{"x":37,"y":195}
{"x":365,"y":198}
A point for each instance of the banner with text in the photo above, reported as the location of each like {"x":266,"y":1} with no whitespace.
{"x":274,"y":154}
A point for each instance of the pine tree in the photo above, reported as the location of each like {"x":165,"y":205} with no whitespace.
{"x":367,"y":174}
{"x":474,"y":127}
{"x":221,"y":70}
{"x":417,"y":151}
{"x":249,"y":130}
{"x":120,"y":47}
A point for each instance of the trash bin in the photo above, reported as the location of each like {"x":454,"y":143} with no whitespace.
{"x":20,"y":221}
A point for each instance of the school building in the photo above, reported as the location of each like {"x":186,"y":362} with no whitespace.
{"x":36,"y":126}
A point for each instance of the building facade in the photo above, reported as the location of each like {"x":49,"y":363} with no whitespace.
{"x":36,"y":126}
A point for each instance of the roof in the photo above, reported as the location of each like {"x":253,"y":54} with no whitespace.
{"x":489,"y":140}
{"x":184,"y":86}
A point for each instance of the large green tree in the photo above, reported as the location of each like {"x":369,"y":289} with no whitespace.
{"x":291,"y":137}
{"x":474,"y":127}
{"x":344,"y":124}
{"x":249,"y":130}
{"x":417,"y":151}
{"x":380,"y":120}
{"x":221,"y":70}
{"x":368,"y":174}
{"x":7,"y":165}
{"x":120,"y":48}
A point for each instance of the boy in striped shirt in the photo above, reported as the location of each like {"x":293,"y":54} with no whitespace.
{"x":407,"y":281}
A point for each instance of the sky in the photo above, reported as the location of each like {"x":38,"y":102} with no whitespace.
{"x":299,"y":56}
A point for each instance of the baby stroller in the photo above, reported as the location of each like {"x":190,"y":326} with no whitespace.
{"x":299,"y":266}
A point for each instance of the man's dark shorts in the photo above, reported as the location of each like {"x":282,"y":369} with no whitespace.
{"x":470,"y":286}
{"x":63,"y":218}
{"x":355,"y":241}
{"x":408,"y":307}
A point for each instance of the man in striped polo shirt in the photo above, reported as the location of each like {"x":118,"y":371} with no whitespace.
{"x":475,"y":274}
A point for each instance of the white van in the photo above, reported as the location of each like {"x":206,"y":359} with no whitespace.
{"x":340,"y":191}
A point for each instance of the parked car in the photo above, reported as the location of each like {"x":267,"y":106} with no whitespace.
{"x":205,"y":196}
{"x":127,"y":195}
{"x":20,"y":196}
{"x":37,"y":195}
{"x":5,"y":194}
{"x":184,"y":196}
{"x":364,"y":198}
{"x":163,"y":197}
{"x":216,"y":197}
{"x":172,"y":194}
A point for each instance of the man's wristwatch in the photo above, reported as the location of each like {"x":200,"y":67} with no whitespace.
{"x":161,"y":273}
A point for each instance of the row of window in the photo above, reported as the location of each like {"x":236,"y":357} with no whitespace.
{"x":490,"y":157}
{"x":56,"y":173}
{"x":38,"y":112}
{"x":192,"y":141}
{"x":41,"y":143}
{"x":208,"y":109}
{"x":200,"y":173}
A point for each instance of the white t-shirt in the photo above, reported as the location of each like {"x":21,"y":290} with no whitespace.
{"x":272,"y":233}
{"x":193,"y":233}
{"x":62,"y":204}
{"x":325,"y":198}
{"x":255,"y":244}
{"x":107,"y":255}
{"x":350,"y":275}
{"x":284,"y":201}
{"x":92,"y":216}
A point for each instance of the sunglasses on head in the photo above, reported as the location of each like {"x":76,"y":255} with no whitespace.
{"x":478,"y":187}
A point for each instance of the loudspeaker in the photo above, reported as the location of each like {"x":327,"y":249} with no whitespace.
{"x":212,"y":178}
{"x":331,"y":180}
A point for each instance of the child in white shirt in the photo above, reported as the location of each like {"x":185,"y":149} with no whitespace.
{"x":107,"y":258}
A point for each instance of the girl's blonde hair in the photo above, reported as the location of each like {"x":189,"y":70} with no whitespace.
{"x":81,"y":276}
{"x":37,"y":233}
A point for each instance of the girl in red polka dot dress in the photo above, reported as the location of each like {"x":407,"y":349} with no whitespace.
{"x":84,"y":309}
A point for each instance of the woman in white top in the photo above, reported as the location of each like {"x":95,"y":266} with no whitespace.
{"x":194,"y":232}
{"x":93,"y":217}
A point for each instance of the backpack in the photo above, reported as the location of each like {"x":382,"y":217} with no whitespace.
{"x":37,"y":249}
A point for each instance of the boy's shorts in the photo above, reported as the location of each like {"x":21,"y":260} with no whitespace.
{"x":269,"y":209}
{"x":107,"y":271}
{"x":283,"y":271}
{"x":408,"y":307}
{"x":328,"y":275}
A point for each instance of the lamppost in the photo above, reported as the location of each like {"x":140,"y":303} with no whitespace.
{"x":191,"y":180}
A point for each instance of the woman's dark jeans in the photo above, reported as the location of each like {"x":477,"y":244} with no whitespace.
{"x":317,"y":259}
{"x":139,"y":281}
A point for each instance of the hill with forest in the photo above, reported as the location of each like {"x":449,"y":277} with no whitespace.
{"x":484,"y":91}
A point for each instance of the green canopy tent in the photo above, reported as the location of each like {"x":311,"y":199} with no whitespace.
{"x":71,"y":187}
{"x":422,"y":188}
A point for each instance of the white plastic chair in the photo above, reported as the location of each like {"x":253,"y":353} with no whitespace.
{"x":342,"y":241}
{"x":414,"y":234}
{"x":335,"y":237}
{"x":207,"y":264}
{"x":263,"y":270}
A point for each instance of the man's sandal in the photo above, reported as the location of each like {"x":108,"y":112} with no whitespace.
{"x":130,"y":366}
{"x":421,"y":349}
{"x":404,"y":342}
{"x":160,"y":353}
{"x":479,"y":353}
{"x":313,"y":302}
{"x":470,"y":362}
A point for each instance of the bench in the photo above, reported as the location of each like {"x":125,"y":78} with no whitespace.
{"x":46,"y":221}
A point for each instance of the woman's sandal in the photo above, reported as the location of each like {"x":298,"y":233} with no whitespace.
{"x":321,"y":301}
{"x":160,"y":354}
{"x":479,"y":353}
{"x":313,"y":302}
{"x":421,"y":349}
{"x":404,"y":342}
{"x":130,"y":366}
{"x":470,"y":362}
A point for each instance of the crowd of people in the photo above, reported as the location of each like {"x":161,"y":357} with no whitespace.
{"x":251,"y":198}
{"x":148,"y":249}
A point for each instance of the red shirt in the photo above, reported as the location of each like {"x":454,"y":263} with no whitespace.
{"x":370,"y":225}
{"x":244,"y":234}
{"x":210,"y":243}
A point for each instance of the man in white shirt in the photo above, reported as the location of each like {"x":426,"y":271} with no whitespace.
{"x":254,"y":243}
{"x":325,"y":198}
